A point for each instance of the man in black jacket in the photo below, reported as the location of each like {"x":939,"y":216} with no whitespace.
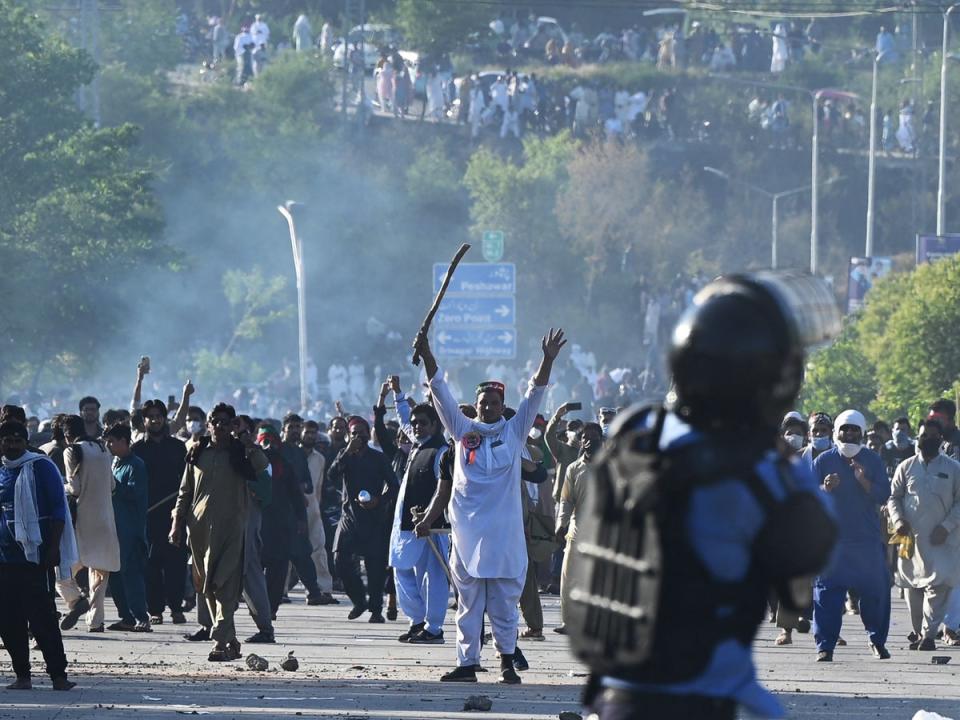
{"x":364,"y":476}
{"x":300,"y":549}
{"x":421,"y":579}
{"x":165,"y":458}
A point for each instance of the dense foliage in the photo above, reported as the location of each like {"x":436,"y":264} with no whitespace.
{"x":896,"y":356}
{"x":120,"y":238}
{"x":78,"y":216}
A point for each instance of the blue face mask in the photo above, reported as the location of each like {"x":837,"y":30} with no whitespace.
{"x":821,"y":443}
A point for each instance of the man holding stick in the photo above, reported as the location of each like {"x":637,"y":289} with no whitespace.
{"x":489,"y":559}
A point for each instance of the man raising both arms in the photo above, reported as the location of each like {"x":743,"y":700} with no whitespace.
{"x":489,"y":558}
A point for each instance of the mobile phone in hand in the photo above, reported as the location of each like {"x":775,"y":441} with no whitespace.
{"x":574,"y":406}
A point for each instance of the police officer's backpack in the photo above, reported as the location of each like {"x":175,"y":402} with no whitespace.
{"x":639,"y":603}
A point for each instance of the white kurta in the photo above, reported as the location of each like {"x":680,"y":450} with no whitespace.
{"x":91,"y":482}
{"x":486,"y":515}
{"x":260,"y":32}
{"x":927,"y":495}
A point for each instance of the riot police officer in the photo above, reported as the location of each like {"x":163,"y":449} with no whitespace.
{"x":694,"y":515}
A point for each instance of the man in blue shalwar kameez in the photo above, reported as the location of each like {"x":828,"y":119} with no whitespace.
{"x":856,"y":479}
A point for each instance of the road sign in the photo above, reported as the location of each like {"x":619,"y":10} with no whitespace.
{"x":477,"y":311}
{"x":478,"y":279}
{"x":485,"y":343}
{"x":477,"y":317}
{"x":493,"y":245}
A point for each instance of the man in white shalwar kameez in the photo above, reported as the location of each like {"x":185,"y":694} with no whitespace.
{"x":924,"y":508}
{"x":489,"y":558}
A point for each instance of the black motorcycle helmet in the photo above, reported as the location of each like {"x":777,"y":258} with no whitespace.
{"x":736,"y":356}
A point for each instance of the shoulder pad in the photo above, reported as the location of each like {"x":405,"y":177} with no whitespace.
{"x":636,"y":417}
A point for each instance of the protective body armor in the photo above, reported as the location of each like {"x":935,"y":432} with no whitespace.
{"x":636,"y":586}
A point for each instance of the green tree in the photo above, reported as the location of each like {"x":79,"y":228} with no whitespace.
{"x":519,"y":198}
{"x":436,"y":26}
{"x":660,"y":222}
{"x":78,"y":216}
{"x":839,"y":376}
{"x":256,"y":302}
{"x":897,"y":355}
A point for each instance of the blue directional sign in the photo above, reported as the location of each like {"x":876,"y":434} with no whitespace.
{"x":487,"y":343}
{"x":477,"y":311}
{"x":478,"y":316}
{"x":478,"y":278}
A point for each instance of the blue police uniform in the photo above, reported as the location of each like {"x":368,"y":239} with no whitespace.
{"x":722,"y":523}
{"x":858,"y":562}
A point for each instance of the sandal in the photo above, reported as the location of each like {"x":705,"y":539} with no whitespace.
{"x":784,"y":638}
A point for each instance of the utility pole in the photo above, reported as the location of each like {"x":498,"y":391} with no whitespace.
{"x":347,"y":17}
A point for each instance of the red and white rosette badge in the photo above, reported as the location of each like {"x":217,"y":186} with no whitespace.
{"x":471,"y":441}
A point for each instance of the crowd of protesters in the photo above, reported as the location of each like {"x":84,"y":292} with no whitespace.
{"x":512,"y":102}
{"x":141,"y":505}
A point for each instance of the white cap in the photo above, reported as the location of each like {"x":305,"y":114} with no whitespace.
{"x":851,"y":417}
{"x":793,"y":415}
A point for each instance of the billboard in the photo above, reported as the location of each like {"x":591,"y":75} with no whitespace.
{"x":934,"y":247}
{"x":863,"y":272}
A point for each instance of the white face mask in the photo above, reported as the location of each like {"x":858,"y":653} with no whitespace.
{"x":793,"y":440}
{"x":195,"y":427}
{"x":848,"y":450}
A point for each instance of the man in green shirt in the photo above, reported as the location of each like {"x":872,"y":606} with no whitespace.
{"x":128,"y":586}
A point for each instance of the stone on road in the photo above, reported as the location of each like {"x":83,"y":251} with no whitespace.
{"x":352,"y":669}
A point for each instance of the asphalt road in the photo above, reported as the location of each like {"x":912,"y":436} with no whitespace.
{"x":351,"y":669}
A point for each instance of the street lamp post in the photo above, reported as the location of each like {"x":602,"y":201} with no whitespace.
{"x":814,"y":172}
{"x":872,"y":155}
{"x":775,"y":201}
{"x":942,"y":161}
{"x":287,"y":210}
{"x":816,"y":96}
{"x":814,"y":195}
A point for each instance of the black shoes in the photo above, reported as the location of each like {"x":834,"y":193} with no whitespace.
{"x":460,"y":674}
{"x":227,"y":653}
{"x":414,"y":630}
{"x":391,"y":613}
{"x":70,"y":619}
{"x":425,"y":637}
{"x":322,"y":598}
{"x":825,"y":656}
{"x":376,"y":618}
{"x":508,"y":676}
{"x":519,"y":661}
{"x":356,"y":612}
{"x":879,"y":651}
{"x":261,"y":637}
{"x":200,"y":635}
{"x":178,"y":618}
{"x":923,"y":645}
{"x":62,"y":684}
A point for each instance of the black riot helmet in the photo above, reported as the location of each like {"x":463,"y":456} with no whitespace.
{"x":737,"y":353}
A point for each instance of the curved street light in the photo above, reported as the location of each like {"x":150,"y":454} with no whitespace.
{"x":288,"y":210}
